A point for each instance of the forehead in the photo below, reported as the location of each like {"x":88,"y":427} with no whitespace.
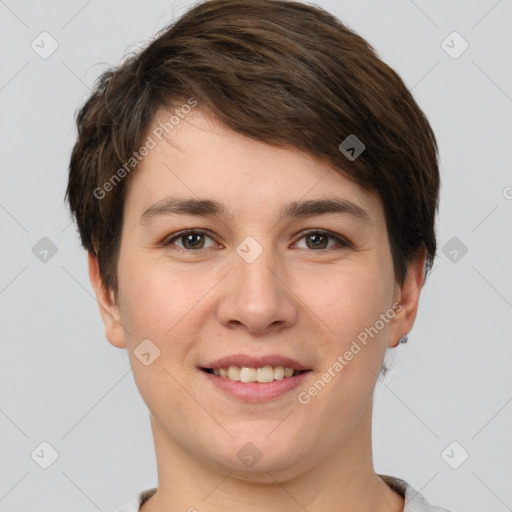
{"x":198,"y":157}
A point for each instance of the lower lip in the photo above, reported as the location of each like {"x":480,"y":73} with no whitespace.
{"x":256,"y":392}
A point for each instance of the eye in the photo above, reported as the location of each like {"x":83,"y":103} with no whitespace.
{"x":191,"y":240}
{"x":318,"y":239}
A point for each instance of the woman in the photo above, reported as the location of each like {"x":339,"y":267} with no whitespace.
{"x":257,"y":194}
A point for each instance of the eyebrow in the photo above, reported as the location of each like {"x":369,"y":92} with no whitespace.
{"x":210,"y":207}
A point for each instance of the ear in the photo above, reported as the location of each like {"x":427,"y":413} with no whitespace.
{"x":408,"y":296}
{"x":107,"y":302}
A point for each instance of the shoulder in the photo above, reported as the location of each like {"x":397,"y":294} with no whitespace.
{"x":135,"y":504}
{"x":414,"y":501}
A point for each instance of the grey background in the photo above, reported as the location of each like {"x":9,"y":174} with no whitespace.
{"x":63,"y":383}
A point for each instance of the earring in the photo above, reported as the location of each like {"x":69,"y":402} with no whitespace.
{"x":403,"y":339}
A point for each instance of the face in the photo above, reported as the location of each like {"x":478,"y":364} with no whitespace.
{"x":254,"y":284}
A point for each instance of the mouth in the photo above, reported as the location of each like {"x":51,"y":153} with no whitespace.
{"x":263,"y":375}
{"x":255,"y":379}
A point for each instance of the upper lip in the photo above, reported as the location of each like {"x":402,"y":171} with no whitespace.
{"x":242,"y":360}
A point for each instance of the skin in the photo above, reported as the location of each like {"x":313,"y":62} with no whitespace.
{"x":295,"y":299}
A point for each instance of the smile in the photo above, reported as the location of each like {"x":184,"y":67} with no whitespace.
{"x":255,"y":378}
{"x":262,"y":375}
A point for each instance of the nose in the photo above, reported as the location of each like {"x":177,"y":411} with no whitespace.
{"x":256,"y":296}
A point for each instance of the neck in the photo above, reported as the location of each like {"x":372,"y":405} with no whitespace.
{"x":342,"y":480}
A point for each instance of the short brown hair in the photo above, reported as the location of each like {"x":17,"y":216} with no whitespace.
{"x":281,"y":72}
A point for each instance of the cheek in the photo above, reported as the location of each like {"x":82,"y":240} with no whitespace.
{"x":167,"y":306}
{"x":155,"y":298}
{"x":158,"y":305}
{"x":348,"y":302}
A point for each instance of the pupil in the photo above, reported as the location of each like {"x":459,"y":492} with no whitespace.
{"x":191,"y":236}
{"x":316,"y":244}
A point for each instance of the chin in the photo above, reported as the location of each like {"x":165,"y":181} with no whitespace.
{"x":251,"y":455}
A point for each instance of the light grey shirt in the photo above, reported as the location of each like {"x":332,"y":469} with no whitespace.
{"x":414,"y":501}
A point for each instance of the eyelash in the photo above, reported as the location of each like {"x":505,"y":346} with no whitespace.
{"x":343,"y":243}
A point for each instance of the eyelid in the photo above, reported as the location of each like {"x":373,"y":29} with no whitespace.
{"x":340,"y":240}
{"x":167,"y":241}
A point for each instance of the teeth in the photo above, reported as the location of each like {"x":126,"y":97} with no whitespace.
{"x":279,"y":373}
{"x":262,"y":375}
{"x":265,"y":374}
{"x":234,"y":373}
{"x":248,"y":374}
